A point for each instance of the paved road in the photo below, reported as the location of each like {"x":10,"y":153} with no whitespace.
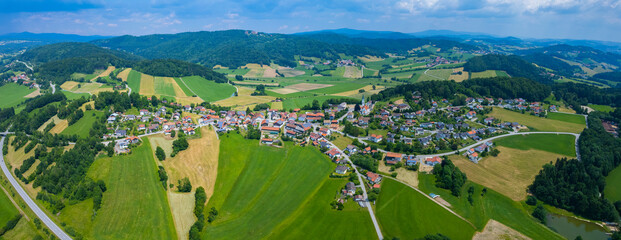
{"x":31,"y":204}
{"x":53,"y":87}
{"x":29,"y":67}
{"x":129,"y":93}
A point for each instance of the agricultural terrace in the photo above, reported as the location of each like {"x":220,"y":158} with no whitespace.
{"x":135,"y":204}
{"x":404,"y":213}
{"x":520,"y":159}
{"x":487,"y":206}
{"x":251,"y":182}
{"x":207,"y":90}
{"x":537,"y":123}
{"x":12,"y":94}
{"x":83,"y":126}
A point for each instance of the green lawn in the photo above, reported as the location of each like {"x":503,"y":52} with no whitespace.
{"x":570,"y":118}
{"x":341,"y":141}
{"x":133,"y":80}
{"x":536,"y":123}
{"x":316,"y":219}
{"x":259,"y":187}
{"x":135,"y":205}
{"x":72,"y":95}
{"x":83,"y":126}
{"x":404,"y":213}
{"x":209,"y":91}
{"x":484,"y":74}
{"x":492,"y":205}
{"x":164,"y":88}
{"x":293,"y":103}
{"x":501,"y":73}
{"x":339,"y":88}
{"x":601,"y":108}
{"x":185,"y":88}
{"x":561,"y":143}
{"x":7,"y":209}
{"x":612,"y":191}
{"x":13,"y":94}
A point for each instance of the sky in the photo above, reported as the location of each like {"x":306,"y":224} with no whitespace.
{"x":557,"y":19}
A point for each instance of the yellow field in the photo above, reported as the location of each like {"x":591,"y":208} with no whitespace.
{"x":496,"y":230}
{"x":147,"y":85}
{"x":368,"y":58}
{"x":244,"y":99}
{"x":457,"y":77}
{"x":60,"y":127}
{"x":182,"y":208}
{"x":16,"y":158}
{"x":284,"y":90}
{"x":308,"y":86}
{"x":83,"y":107}
{"x":68,"y":85}
{"x":270,"y":73}
{"x":220,"y":67}
{"x":34,"y":94}
{"x":352,"y":72}
{"x":509,"y":173}
{"x":105,"y":73}
{"x":54,"y":120}
{"x":123,"y":75}
{"x":277,"y":105}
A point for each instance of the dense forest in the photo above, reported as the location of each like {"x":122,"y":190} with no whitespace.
{"x":577,"y":185}
{"x":60,"y":51}
{"x":609,"y":76}
{"x":513,"y":65}
{"x":176,"y":68}
{"x":576,"y":94}
{"x":577,"y":53}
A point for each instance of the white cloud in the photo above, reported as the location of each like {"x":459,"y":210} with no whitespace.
{"x":112,"y":25}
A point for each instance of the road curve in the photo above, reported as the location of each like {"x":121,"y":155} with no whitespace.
{"x":31,"y":204}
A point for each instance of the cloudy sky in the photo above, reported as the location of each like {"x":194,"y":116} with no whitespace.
{"x":576,"y":19}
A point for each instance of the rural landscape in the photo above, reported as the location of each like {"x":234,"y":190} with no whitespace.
{"x":315,"y":134}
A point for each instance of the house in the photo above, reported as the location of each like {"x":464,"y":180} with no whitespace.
{"x":144,"y":112}
{"x":393,"y":158}
{"x":432,"y":161}
{"x":374,"y":178}
{"x":474,"y":157}
{"x":141,"y":127}
{"x":341,"y":169}
{"x":267,"y":141}
{"x":350,"y":188}
{"x":189,"y":131}
{"x":120,"y":133}
{"x":375,"y":138}
{"x":410,"y":160}
{"x":488,"y":120}
{"x":471,"y":114}
{"x":132,"y":140}
{"x":332,"y":153}
{"x":351,"y":149}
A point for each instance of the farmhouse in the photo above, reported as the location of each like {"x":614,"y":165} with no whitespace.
{"x":350,"y":188}
{"x":393,"y":158}
{"x":432,"y":161}
{"x":341,"y":169}
{"x":374,"y":178}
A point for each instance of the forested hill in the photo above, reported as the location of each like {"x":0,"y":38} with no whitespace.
{"x":577,"y":54}
{"x":60,"y":51}
{"x":177,"y":68}
{"x":513,"y":65}
{"x":232,"y":48}
{"x":553,"y":63}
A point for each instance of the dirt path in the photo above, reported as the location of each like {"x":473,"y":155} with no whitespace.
{"x":495,"y":230}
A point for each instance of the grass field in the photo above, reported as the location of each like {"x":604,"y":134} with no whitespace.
{"x":147,"y":85}
{"x":338,"y":88}
{"x":134,"y":206}
{"x":404,"y":213}
{"x":183,"y":87}
{"x":7,"y":209}
{"x":559,"y":144}
{"x":259,"y":187}
{"x":436,"y":74}
{"x":484,"y":74}
{"x":72,"y":95}
{"x":601,"y":108}
{"x":570,"y":118}
{"x":133,"y":80}
{"x":342,"y":141}
{"x":13,"y":94}
{"x":536,"y":123}
{"x":612,"y":191}
{"x":82,"y":126}
{"x":491,"y":205}
{"x":316,"y":220}
{"x":244,"y":99}
{"x":164,"y":87}
{"x":293,"y":103}
{"x":209,"y":91}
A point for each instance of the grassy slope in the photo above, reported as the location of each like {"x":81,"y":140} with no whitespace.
{"x":209,"y":91}
{"x":12,"y":94}
{"x":258,"y":187}
{"x":612,"y":191}
{"x":183,"y":87}
{"x":404,"y":213}
{"x":134,"y":206}
{"x":133,"y":80}
{"x":536,"y":123}
{"x":570,"y":118}
{"x":72,"y":95}
{"x":561,"y":144}
{"x":601,"y":108}
{"x":163,"y":87}
{"x":7,"y":209}
{"x":492,"y":205}
{"x":82,"y":126}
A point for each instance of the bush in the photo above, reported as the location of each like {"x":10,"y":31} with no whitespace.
{"x":184,"y":185}
{"x":531,"y":200}
{"x":10,"y":224}
{"x":160,"y":154}
{"x":540,"y":213}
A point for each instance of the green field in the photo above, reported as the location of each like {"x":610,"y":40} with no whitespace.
{"x":83,"y":126}
{"x":491,"y":205}
{"x":7,"y":209}
{"x":554,"y":143}
{"x":484,"y":74}
{"x":135,"y":205}
{"x":612,"y":191}
{"x":259,"y":188}
{"x":183,"y":87}
{"x":601,"y":108}
{"x":570,"y":118}
{"x":293,"y":103}
{"x":133,"y":80}
{"x":236,"y":71}
{"x":404,"y":213}
{"x":72,"y":95}
{"x":501,"y":73}
{"x":338,"y":88}
{"x":163,"y":87}
{"x":209,"y":91}
{"x":13,"y":94}
{"x":435,"y":75}
{"x":536,"y":123}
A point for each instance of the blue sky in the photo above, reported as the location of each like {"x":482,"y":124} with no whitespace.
{"x":576,"y":19}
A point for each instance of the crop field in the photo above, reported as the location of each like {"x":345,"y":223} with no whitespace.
{"x":436,"y":75}
{"x":276,"y":105}
{"x":105,"y":73}
{"x":209,"y":91}
{"x":536,"y":123}
{"x":133,"y":80}
{"x":484,"y":74}
{"x":244,"y":99}
{"x":601,"y":108}
{"x":404,"y":213}
{"x":134,"y":206}
{"x":491,"y":205}
{"x":147,"y":85}
{"x":352,"y":72}
{"x":289,"y":72}
{"x":13,"y":94}
{"x":570,"y":118}
{"x":612,"y":191}
{"x":293,"y":103}
{"x":459,"y":77}
{"x":123,"y":75}
{"x":72,"y":95}
{"x":338,"y":88}
{"x":184,"y":87}
{"x":316,"y":220}
{"x":164,"y":86}
{"x":23,"y":230}
{"x":82,"y":126}
{"x":352,"y":93}
{"x":367,"y":72}
{"x":60,"y":126}
{"x":252,"y":182}
{"x":559,"y":144}
{"x":501,"y":73}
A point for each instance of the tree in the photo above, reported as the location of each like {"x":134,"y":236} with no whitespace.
{"x":531,"y":200}
{"x":173,"y":133}
{"x":160,"y":154}
{"x":239,"y":78}
{"x":448,"y":176}
{"x":372,"y":196}
{"x":180,"y":145}
{"x":540,"y":213}
{"x":184,"y":185}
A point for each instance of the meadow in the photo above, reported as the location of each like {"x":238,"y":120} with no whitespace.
{"x":13,"y":94}
{"x":133,"y":80}
{"x":83,"y":126}
{"x":406,"y":214}
{"x":491,"y":205}
{"x":484,"y":74}
{"x":135,"y":204}
{"x":72,"y":95}
{"x":569,"y":118}
{"x":612,"y":191}
{"x":7,"y":209}
{"x":293,"y":103}
{"x":183,"y":87}
{"x":601,"y":108}
{"x":560,"y":144}
{"x":209,"y":91}
{"x":341,"y":141}
{"x":164,"y":87}
{"x":258,"y":187}
{"x":536,"y":123}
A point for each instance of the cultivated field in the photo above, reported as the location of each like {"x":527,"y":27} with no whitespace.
{"x":570,"y":118}
{"x":601,"y":108}
{"x":368,"y":88}
{"x":133,"y":80}
{"x":147,"y":85}
{"x":342,"y":141}
{"x":123,"y":75}
{"x":277,"y":105}
{"x":300,"y":87}
{"x":244,"y":99}
{"x":259,"y":187}
{"x":7,"y":209}
{"x":182,"y":208}
{"x":612,"y":191}
{"x":60,"y":126}
{"x":404,"y":213}
{"x":164,"y":87}
{"x":72,"y":95}
{"x":484,"y":74}
{"x":13,"y":94}
{"x":496,"y":230}
{"x":459,"y":77}
{"x":105,"y":73}
{"x":289,"y":72}
{"x":82,"y":126}
{"x":536,"y":123}
{"x":54,"y":120}
{"x":352,"y":72}
{"x":209,"y":91}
